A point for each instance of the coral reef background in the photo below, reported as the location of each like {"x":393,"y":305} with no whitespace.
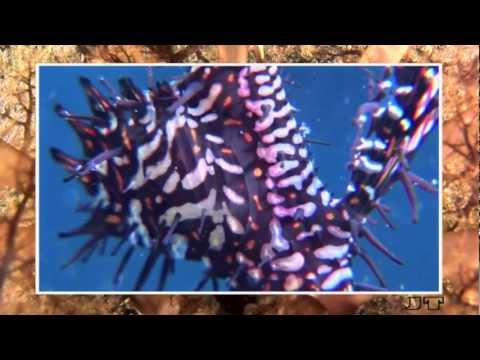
{"x":17,"y":179}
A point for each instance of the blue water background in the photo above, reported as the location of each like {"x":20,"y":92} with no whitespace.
{"x":327,"y":98}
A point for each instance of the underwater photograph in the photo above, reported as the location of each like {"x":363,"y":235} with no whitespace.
{"x":247,"y":178}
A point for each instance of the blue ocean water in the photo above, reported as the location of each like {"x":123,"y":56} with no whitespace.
{"x":327,"y":97}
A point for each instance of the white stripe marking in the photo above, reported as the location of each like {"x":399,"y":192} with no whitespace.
{"x":171,"y":183}
{"x":231,"y":168}
{"x":331,"y":252}
{"x":266,"y":90}
{"x":279,"y":132}
{"x":274,"y":198}
{"x":278,"y":242}
{"x":336,"y":278}
{"x":233,"y":196}
{"x":308,"y":210}
{"x":208,"y":118}
{"x":206,"y":104}
{"x":262,"y":79}
{"x":217,"y":238}
{"x":196,"y":176}
{"x":290,"y":263}
{"x":282,"y":167}
{"x":214,"y":139}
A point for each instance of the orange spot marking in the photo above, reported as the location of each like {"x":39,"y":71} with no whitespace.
{"x":329,"y":216}
{"x":296,"y":225}
{"x":195,"y":235}
{"x":232,"y":122}
{"x":391,"y":147}
{"x":194,"y":135}
{"x":105,"y":104}
{"x":114,"y":219}
{"x":257,"y":202}
{"x":148,"y":202}
{"x":196,"y":149}
{"x":89,"y":143}
{"x":226,"y":151}
{"x":248,"y":137}
{"x":251,"y":244}
{"x":354,"y":201}
{"x":126,"y":139}
{"x":257,"y":172}
{"x":292,"y":195}
{"x":85,"y":179}
{"x":227,"y":102}
{"x":231,"y":77}
{"x":88,"y":130}
{"x":292,"y":282}
{"x":253,"y":224}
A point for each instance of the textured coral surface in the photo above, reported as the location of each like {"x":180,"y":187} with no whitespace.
{"x":17,"y":148}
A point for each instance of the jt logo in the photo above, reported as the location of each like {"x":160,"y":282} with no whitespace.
{"x":432,"y":302}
